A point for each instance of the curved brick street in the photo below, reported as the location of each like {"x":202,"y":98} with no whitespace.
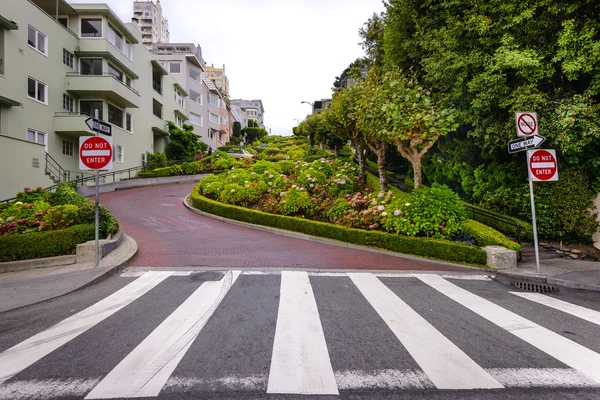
{"x":169,"y":235}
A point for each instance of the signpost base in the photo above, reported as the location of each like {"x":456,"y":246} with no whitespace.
{"x":535,"y":235}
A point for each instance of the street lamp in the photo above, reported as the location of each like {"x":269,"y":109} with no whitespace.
{"x":312,"y":109}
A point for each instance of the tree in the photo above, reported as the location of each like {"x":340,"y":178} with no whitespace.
{"x":253,"y":132}
{"x":184,"y":143}
{"x":353,"y":71}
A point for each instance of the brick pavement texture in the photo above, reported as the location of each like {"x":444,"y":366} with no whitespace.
{"x":169,"y":235}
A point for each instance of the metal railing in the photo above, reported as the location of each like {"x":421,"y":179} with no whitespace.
{"x":157,"y":87}
{"x":53,"y":167}
{"x":1,"y":66}
{"x":497,"y":221}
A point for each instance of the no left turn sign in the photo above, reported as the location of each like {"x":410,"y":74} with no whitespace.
{"x":527,"y":124}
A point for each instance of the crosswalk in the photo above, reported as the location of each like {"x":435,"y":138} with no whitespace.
{"x":295,"y":332}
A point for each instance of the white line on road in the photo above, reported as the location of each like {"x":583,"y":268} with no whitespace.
{"x":24,"y":354}
{"x":145,"y":371}
{"x":573,"y":354}
{"x":445,"y":364}
{"x":235,"y":383}
{"x":300,"y":363}
{"x":541,"y":377}
{"x":592,"y":316}
{"x":383,"y":379}
{"x":46,"y":389}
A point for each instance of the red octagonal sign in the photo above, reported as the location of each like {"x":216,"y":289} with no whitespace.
{"x":542,"y":165}
{"x":95,"y":152}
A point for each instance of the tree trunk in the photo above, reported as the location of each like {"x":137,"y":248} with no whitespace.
{"x":379,"y":147}
{"x":410,"y":151}
{"x":362,"y":165}
{"x":418,"y":171}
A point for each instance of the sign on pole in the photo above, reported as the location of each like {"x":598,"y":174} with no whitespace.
{"x":525,"y":143}
{"x":95,"y":153}
{"x":527,"y":124}
{"x":99,"y":126}
{"x":542,"y":165}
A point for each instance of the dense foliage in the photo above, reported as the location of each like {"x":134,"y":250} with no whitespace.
{"x":183,"y":142}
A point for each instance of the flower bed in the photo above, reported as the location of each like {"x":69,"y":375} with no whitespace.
{"x":43,"y":224}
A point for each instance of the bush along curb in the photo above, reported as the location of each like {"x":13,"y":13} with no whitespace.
{"x":487,"y":236}
{"x":431,"y":248}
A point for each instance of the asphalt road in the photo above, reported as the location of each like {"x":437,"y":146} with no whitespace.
{"x":298,"y":335}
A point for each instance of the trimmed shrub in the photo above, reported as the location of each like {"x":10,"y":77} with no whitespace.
{"x":486,"y":236}
{"x":44,"y":244}
{"x":295,"y":201}
{"x":433,"y":248}
{"x":61,"y":217}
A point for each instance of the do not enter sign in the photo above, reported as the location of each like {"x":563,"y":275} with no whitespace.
{"x":95,"y":153}
{"x":543,"y":166}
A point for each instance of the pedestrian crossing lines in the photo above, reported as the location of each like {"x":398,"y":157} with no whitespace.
{"x":301,"y":333}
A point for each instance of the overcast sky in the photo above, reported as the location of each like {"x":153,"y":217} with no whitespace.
{"x":279,"y":51}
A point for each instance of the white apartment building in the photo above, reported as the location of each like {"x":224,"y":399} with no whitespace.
{"x":55,"y":73}
{"x":253,"y":108}
{"x":149,"y":19}
{"x":206,"y":108}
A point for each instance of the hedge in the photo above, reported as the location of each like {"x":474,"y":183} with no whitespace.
{"x":486,"y":236}
{"x":432,"y":248}
{"x":28,"y":246}
{"x":505,"y":227}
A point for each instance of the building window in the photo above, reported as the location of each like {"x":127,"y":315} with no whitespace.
{"x":195,"y":74}
{"x":175,"y":67}
{"x":128,"y":123}
{"x":157,"y":108}
{"x":116,"y":39}
{"x":115,"y":72}
{"x":195,"y":97}
{"x":91,"y":28}
{"x":68,"y":148}
{"x":64,"y":21}
{"x":115,"y":115}
{"x":68,"y":103}
{"x":213,"y":118}
{"x":119,"y":154}
{"x":36,"y":90}
{"x":196,"y":119}
{"x":211,"y":134}
{"x":37,"y":40}
{"x":178,"y":121}
{"x":90,"y":66}
{"x":214,"y":100}
{"x":90,"y":107}
{"x":68,"y":58}
{"x":179,"y":98}
{"x":36,"y":136}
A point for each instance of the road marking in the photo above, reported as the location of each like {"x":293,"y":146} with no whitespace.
{"x":234,"y":383}
{"x":541,"y":377}
{"x":572,"y":354}
{"x":46,"y":389}
{"x":383,"y":379}
{"x":300,"y":363}
{"x":24,"y":354}
{"x":592,"y":316}
{"x":445,"y":364}
{"x":145,"y":371}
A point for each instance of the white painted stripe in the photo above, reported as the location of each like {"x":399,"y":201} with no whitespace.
{"x":543,"y":165}
{"x":572,"y":354}
{"x":300,"y":363}
{"x":92,"y":153}
{"x":542,"y":377}
{"x":24,"y":354}
{"x":383,"y":379}
{"x":592,"y":316}
{"x":46,"y":389}
{"x":445,"y":364}
{"x":144,"y":372}
{"x":236,"y":383}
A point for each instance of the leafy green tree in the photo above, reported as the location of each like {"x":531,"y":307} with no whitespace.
{"x":254,"y":133}
{"x":184,"y":143}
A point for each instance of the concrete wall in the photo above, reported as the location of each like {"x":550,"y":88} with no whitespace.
{"x":20,"y":171}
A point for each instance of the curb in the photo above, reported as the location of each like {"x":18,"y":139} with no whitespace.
{"x":97,"y":274}
{"x":549,"y":280}
{"x":316,"y":239}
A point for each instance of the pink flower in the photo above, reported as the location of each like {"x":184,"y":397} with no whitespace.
{"x":40,"y":188}
{"x":381,"y":208}
{"x":380,"y":195}
{"x":384,"y":214}
{"x":323,"y":192}
{"x":282,"y":194}
{"x":397,"y":212}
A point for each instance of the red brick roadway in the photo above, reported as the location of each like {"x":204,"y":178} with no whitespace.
{"x":169,"y":235}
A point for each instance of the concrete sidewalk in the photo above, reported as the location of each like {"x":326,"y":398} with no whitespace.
{"x":24,"y":288}
{"x":566,"y":273}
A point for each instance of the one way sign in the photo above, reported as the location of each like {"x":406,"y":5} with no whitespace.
{"x":526,"y":143}
{"x":99,"y":126}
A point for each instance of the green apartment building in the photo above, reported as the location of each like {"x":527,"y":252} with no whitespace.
{"x":59,"y":64}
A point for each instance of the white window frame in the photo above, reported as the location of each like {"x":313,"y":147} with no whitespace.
{"x":212,"y":96}
{"x":192,"y":99}
{"x":125,"y":122}
{"x":116,"y":159}
{"x":93,"y":116}
{"x":36,"y":132}
{"x":35,"y":45}
{"x":108,"y":103}
{"x":178,"y":121}
{"x":82,"y":17}
{"x":70,"y":146}
{"x":211,"y":120}
{"x":180,"y":67}
{"x":179,"y":98}
{"x":71,"y":101}
{"x":72,"y":59}
{"x":200,"y":119}
{"x":45,"y":102}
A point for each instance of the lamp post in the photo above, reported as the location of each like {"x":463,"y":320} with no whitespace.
{"x":312,"y":107}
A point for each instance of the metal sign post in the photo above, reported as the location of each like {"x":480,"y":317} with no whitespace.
{"x":97,"y":229}
{"x":535,"y":235}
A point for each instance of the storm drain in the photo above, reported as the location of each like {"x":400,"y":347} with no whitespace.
{"x":534,"y":287}
{"x":205,"y":276}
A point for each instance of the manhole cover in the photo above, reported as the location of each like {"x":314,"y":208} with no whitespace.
{"x":205,"y":276}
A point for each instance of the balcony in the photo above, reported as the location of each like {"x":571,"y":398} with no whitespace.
{"x":103,"y":48}
{"x":72,"y":123}
{"x":103,"y":86}
{"x":157,"y":87}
